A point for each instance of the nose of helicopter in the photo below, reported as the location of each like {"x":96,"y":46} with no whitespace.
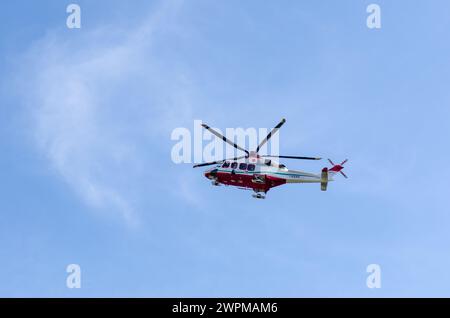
{"x":210,"y":174}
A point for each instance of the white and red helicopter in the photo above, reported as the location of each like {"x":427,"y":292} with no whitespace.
{"x":260,"y":173}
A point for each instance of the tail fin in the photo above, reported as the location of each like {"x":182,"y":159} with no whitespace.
{"x":324,"y":179}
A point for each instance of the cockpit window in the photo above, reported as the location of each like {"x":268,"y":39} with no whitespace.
{"x":243,"y":166}
{"x":234,"y":165}
{"x":226,"y":164}
{"x":251,"y":167}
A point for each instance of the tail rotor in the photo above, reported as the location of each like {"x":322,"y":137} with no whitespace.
{"x":338,"y":168}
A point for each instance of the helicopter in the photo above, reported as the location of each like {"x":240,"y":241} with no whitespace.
{"x":260,"y":173}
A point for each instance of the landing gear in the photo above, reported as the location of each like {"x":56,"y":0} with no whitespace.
{"x":259,"y":196}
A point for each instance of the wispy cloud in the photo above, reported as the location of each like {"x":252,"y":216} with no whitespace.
{"x":96,"y":102}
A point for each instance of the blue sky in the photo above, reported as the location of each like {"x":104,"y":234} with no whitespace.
{"x":87,"y":178}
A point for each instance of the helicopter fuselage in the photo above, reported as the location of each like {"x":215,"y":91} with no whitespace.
{"x":259,"y":172}
{"x":258,"y":175}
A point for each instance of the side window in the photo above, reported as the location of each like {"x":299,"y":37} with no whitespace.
{"x":243,"y":166}
{"x":234,"y":165}
{"x":251,"y":167}
{"x":226,"y":164}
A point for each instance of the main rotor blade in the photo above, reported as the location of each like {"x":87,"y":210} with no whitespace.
{"x":294,"y":157}
{"x":273,"y":131}
{"x":215,"y":133}
{"x":206,"y":164}
{"x":344,"y":174}
{"x":216,"y":162}
{"x":343,"y":162}
{"x":332,"y":163}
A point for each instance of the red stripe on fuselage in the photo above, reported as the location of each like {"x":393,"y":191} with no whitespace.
{"x":245,"y":180}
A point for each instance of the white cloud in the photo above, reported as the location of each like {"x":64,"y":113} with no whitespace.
{"x":96,"y":103}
